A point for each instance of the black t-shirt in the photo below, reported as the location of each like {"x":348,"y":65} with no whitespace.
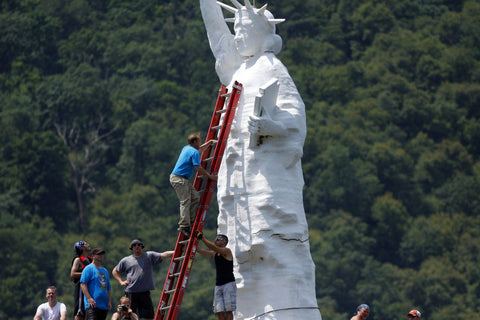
{"x":224,"y":270}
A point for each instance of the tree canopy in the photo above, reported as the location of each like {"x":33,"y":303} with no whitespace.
{"x":99,"y":96}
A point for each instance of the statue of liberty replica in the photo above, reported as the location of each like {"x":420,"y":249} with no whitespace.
{"x":260,"y":180}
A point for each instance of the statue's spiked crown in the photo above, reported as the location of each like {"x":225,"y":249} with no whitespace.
{"x":251,"y":11}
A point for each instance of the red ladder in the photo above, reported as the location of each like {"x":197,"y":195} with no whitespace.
{"x":182,"y":259}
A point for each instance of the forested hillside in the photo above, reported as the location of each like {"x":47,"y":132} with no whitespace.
{"x":97,"y":98}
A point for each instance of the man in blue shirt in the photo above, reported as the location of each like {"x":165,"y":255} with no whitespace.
{"x":95,"y":284}
{"x":188,"y":162}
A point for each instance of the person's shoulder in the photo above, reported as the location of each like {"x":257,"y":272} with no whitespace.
{"x":186,"y":148}
{"x":153,"y":254}
{"x":226,"y":251}
{"x":87,"y":270}
{"x":190,"y":149}
{"x":88,"y":267}
{"x":126,"y":258}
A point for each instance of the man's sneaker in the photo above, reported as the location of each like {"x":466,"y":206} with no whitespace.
{"x":184,"y":230}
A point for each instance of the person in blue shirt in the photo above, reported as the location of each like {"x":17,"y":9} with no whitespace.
{"x":188,"y":162}
{"x":95,"y":284}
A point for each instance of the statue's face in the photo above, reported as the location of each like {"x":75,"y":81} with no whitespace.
{"x":249,"y":37}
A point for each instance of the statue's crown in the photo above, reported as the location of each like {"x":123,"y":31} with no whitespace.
{"x":251,"y":11}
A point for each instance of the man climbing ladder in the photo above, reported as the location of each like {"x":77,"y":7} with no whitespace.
{"x":186,"y":247}
{"x":188,"y":162}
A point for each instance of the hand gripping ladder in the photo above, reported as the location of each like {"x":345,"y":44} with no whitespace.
{"x":185,"y":249}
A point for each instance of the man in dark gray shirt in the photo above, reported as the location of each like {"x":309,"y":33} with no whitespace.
{"x":138,"y":268}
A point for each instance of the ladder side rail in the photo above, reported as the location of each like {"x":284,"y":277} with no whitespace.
{"x":190,"y":253}
{"x":170,"y":282}
{"x":189,"y":256}
{"x":226,"y":127}
{"x":204,"y":203}
{"x":227,"y":117}
{"x":219,"y":149}
{"x":211,"y":133}
{"x":170,"y":279}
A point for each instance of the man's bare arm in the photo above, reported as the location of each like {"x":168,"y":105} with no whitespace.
{"x":224,"y":251}
{"x":206,"y":145}
{"x":206,"y":253}
{"x":204,"y":172}
{"x":118,"y":277}
{"x":166,"y":255}
{"x":74,"y":274}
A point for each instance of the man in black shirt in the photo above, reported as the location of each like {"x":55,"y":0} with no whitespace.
{"x":224,"y":302}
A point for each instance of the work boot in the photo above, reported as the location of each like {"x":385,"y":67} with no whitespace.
{"x":185,"y":230}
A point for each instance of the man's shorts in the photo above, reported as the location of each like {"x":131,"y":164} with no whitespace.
{"x":225,"y":298}
{"x":141,"y":304}
{"x":95,"y":314}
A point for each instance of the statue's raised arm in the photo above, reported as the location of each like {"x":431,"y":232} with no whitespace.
{"x":221,"y":40}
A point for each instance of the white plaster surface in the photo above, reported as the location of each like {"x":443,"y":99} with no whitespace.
{"x":260,"y":187}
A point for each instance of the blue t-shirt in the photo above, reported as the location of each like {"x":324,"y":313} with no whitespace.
{"x":98,"y":283}
{"x":187,"y":160}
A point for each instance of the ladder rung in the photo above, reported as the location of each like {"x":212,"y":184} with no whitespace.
{"x":165,"y":308}
{"x":226,"y":94}
{"x":180,"y":258}
{"x":222,"y":111}
{"x":184,"y":241}
{"x":170,"y":291}
{"x":174,"y":275}
{"x":216,"y":127}
{"x":236,"y":87}
{"x":208,"y":159}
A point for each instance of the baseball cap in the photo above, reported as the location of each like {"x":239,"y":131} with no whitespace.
{"x":414,"y":313}
{"x":136,"y":241}
{"x":98,"y":251}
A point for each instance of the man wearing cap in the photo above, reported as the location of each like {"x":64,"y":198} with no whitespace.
{"x":138,"y":268}
{"x":95,"y":284}
{"x":362,"y":313}
{"x":225,"y":298}
{"x":414,"y":314}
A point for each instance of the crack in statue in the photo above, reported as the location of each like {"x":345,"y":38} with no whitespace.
{"x":260,"y":185}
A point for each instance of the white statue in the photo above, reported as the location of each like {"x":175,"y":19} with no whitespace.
{"x":260,"y":183}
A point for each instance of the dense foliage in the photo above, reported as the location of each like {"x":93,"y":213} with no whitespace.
{"x":98,"y":96}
